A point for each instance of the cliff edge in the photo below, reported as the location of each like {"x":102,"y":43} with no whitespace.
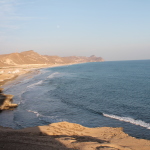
{"x":69,"y":136}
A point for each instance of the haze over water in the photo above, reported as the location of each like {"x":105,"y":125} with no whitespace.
{"x":114,"y":94}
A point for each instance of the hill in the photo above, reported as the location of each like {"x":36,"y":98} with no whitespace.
{"x":31,"y":57}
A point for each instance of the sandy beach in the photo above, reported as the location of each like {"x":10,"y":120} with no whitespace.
{"x":63,"y":135}
{"x":10,"y":73}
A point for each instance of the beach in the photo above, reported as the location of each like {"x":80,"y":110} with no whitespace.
{"x":11,"y":72}
{"x":64,"y":135}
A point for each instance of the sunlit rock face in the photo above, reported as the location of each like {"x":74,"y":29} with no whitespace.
{"x":31,"y":57}
{"x":6,"y":101}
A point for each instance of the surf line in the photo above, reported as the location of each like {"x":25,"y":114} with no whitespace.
{"x":130,"y":120}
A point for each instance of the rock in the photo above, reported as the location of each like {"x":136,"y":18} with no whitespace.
{"x":6,"y":101}
{"x":1,"y":90}
{"x":13,"y":105}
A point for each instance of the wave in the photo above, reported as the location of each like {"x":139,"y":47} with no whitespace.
{"x":37,"y":114}
{"x":35,"y":84}
{"x":40,"y":82}
{"x":48,"y":119}
{"x":130,"y":120}
{"x":53,"y":75}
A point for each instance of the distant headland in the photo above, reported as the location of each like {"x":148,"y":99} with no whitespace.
{"x":32,"y":58}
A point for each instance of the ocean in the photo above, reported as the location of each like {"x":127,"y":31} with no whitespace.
{"x":98,"y":94}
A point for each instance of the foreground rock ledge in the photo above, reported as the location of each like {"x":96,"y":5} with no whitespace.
{"x":64,"y":136}
{"x":6,"y":101}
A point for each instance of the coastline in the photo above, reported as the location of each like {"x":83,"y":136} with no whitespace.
{"x":11,"y":73}
{"x":66,"y":135}
{"x":8,"y":75}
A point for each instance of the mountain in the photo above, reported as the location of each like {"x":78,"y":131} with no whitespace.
{"x":31,"y":57}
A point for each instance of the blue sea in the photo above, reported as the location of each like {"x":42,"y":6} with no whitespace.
{"x":98,"y":94}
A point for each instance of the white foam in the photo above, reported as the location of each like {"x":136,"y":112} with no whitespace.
{"x":53,"y":75}
{"x":35,"y":84}
{"x":37,"y":114}
{"x":130,"y":120}
{"x":49,"y":119}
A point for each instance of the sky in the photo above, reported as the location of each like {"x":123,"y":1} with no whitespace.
{"x":112,"y":29}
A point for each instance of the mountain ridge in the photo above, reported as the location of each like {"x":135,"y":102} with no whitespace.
{"x":32,"y":57}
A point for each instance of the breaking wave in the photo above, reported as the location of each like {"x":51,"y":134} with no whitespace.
{"x":130,"y":120}
{"x":49,"y":119}
{"x":37,"y":114}
{"x":35,"y":84}
{"x":53,"y":75}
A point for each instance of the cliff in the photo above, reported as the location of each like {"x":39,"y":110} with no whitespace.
{"x":69,"y":136}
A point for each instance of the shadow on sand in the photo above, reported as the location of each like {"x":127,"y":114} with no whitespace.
{"x":36,"y":140}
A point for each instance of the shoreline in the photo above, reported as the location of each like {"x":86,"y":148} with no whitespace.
{"x":65,"y":135}
{"x":8,"y":75}
{"x":23,"y":69}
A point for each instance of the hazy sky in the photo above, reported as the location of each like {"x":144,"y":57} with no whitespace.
{"x":113,"y":29}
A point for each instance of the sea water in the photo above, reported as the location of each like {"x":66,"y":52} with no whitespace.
{"x":110,"y":94}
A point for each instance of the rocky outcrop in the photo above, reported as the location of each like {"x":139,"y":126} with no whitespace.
{"x":6,"y":101}
{"x":69,"y":136}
